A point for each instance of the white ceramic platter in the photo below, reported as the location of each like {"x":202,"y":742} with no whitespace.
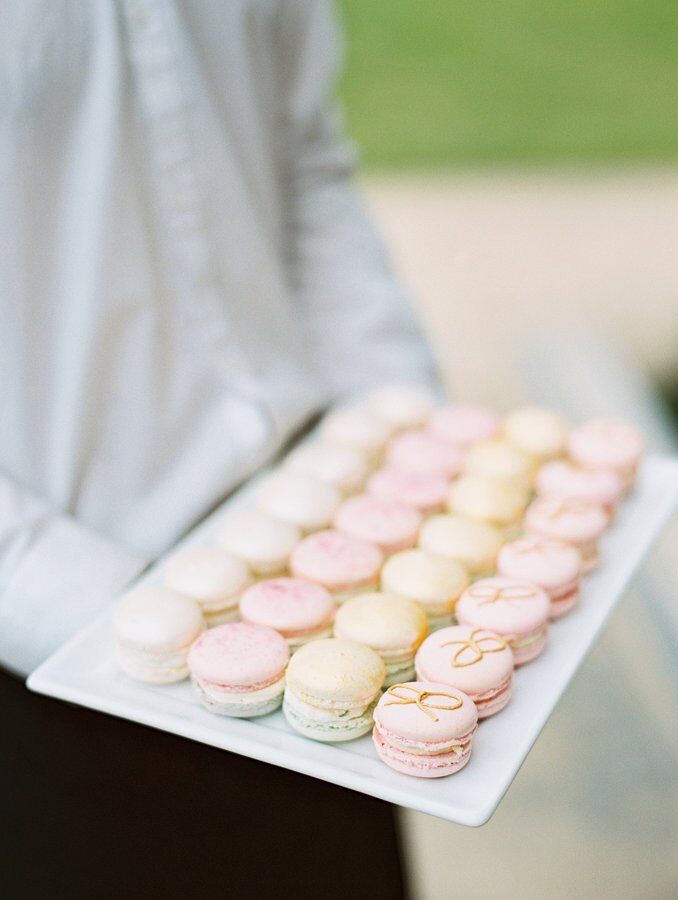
{"x":83,"y":672}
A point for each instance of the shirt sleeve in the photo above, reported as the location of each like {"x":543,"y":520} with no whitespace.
{"x":55,"y":575}
{"x":360,"y":325}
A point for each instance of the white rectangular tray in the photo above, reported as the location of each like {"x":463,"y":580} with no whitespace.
{"x":83,"y":672}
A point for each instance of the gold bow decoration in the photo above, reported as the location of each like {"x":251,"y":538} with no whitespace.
{"x":554,"y":508}
{"x":475,"y":644}
{"x":420,"y":698}
{"x":535,"y":544}
{"x":490,"y":593}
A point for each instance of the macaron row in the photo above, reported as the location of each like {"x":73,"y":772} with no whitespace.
{"x":380,"y":477}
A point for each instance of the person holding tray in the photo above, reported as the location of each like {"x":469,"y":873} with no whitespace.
{"x":186,"y":278}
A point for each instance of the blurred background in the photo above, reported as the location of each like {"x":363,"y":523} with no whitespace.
{"x":522,"y":161}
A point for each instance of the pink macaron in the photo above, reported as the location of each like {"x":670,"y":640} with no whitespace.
{"x":299,"y":610}
{"x":425,"y":491}
{"x":390,"y":525}
{"x":566,"y":481}
{"x":343,"y":564}
{"x":574,"y":521}
{"x":474,"y":660}
{"x":238,"y":669}
{"x":419,"y":451}
{"x":424,"y":728}
{"x":516,"y":610}
{"x":463,"y":424}
{"x":551,"y":563}
{"x":607,"y":444}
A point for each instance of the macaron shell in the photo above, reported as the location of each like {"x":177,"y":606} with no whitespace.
{"x":475,"y":660}
{"x":472,"y":542}
{"x":567,"y":520}
{"x":547,"y":562}
{"x":336,"y":560}
{"x":358,"y":428}
{"x":425,"y":491}
{"x":602,"y":443}
{"x":536,"y":431}
{"x":400,"y":405}
{"x":419,"y":451}
{"x":239,"y":655}
{"x":523,"y":608}
{"x":463,"y":424}
{"x":433,"y":581}
{"x":342,"y":467}
{"x":209,"y":574}
{"x":262,"y":541}
{"x":304,"y":501}
{"x":426,"y":712}
{"x":155,"y":619}
{"x":437,"y":766}
{"x":246,"y":705}
{"x":499,"y":502}
{"x":498,"y":459}
{"x":390,"y":525}
{"x":330,"y":731}
{"x":291,"y":606}
{"x":336,"y":673}
{"x":566,"y":481}
{"x":383,"y":622}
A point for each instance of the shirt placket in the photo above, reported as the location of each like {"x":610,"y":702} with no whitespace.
{"x":161,"y":96}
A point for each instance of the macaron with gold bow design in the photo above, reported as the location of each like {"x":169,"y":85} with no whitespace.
{"x":474,"y":660}
{"x":516,"y":610}
{"x":554,"y":565}
{"x":424,"y":728}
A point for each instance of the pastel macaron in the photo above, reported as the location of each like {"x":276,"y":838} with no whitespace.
{"x":263,"y":542}
{"x":419,"y":451}
{"x":498,"y":502}
{"x":540,"y":433}
{"x":392,"y":626}
{"x":463,"y":424}
{"x":425,"y":491}
{"x":357,"y":428}
{"x":432,"y":581}
{"x":332,"y":688}
{"x":154,"y":628}
{"x":554,"y":565}
{"x":344,"y":565}
{"x":471,"y":542}
{"x":517,"y":610}
{"x":424,"y":729}
{"x":475,"y":660}
{"x":345,"y":468}
{"x":303,"y":501}
{"x":390,"y":525}
{"x":212,"y":577}
{"x":563,"y":480}
{"x":400,"y":405}
{"x":578,"y":523}
{"x":238,"y":669}
{"x":499,"y":460}
{"x":299,"y":610}
{"x":608,"y":444}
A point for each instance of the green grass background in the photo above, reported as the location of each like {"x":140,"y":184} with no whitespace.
{"x":438,"y":83}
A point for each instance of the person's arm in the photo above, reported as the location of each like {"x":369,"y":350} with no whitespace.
{"x":360,"y":324}
{"x":55,"y":574}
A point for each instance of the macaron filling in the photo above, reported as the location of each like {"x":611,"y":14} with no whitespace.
{"x":241,"y":704}
{"x":440,"y":764}
{"x":424,"y":748}
{"x":341,"y":727}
